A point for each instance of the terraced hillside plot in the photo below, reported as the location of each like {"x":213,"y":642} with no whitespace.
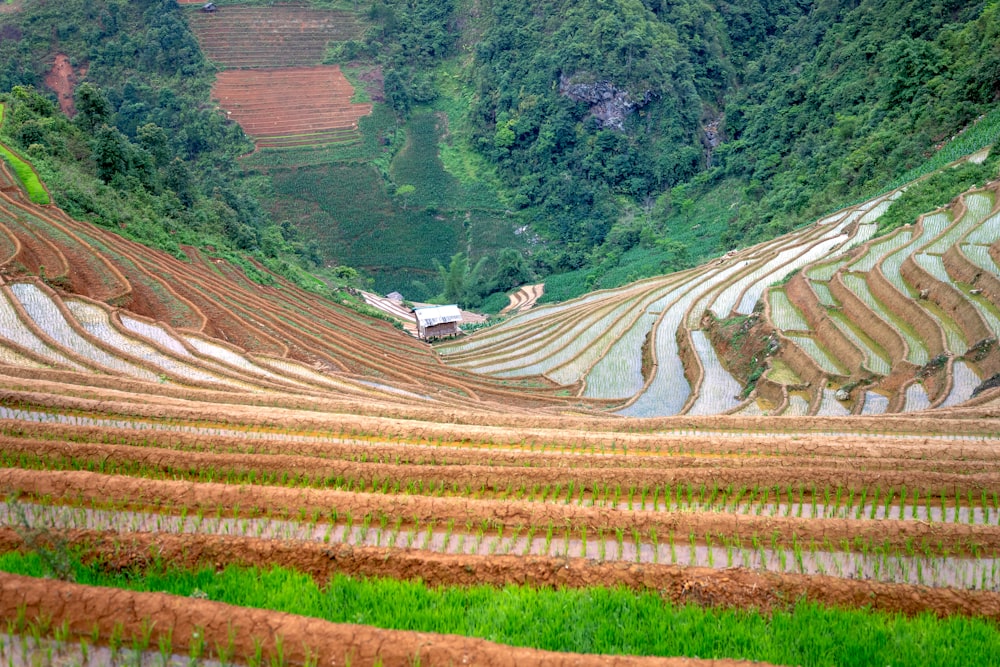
{"x":293,"y":106}
{"x":279,"y":35}
{"x":326,"y":475}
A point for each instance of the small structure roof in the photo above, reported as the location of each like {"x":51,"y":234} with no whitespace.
{"x":434,"y":315}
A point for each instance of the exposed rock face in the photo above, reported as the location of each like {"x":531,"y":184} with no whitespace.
{"x":608,"y":104}
{"x":712,"y":138}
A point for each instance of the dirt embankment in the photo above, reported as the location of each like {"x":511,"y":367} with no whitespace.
{"x":643,"y":473}
{"x":751,"y":449}
{"x":732,"y":587}
{"x":218,"y":624}
{"x":249,"y":501}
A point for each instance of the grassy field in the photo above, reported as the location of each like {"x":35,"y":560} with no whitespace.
{"x":592,"y":620}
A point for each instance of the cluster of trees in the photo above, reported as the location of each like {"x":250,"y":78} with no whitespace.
{"x":471,"y":285}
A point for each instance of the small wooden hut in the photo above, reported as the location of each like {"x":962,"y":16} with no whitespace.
{"x":437,"y":321}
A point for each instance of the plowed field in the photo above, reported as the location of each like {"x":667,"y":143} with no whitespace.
{"x":291,"y":106}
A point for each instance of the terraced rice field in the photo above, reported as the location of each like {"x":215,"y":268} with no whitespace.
{"x":272,"y":82}
{"x":291,"y":106}
{"x":860,"y":318}
{"x":282,"y":34}
{"x":207,"y":469}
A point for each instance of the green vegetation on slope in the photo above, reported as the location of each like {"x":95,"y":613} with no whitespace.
{"x":144,"y":155}
{"x":596,"y":620}
{"x":851,"y":96}
{"x":937,"y":190}
{"x":27,"y":176}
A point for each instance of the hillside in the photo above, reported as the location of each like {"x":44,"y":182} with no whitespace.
{"x":212,"y":452}
{"x":832,"y":319}
{"x":167,"y":425}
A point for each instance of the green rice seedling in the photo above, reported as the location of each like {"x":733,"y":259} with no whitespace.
{"x":430,"y":533}
{"x":61,"y":633}
{"x":601,"y":545}
{"x":278,"y":657}
{"x":257,"y":659}
{"x":165,"y":646}
{"x":656,"y":545}
{"x":673,"y":549}
{"x":115,"y":641}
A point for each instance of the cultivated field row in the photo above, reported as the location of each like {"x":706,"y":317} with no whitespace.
{"x":280,"y":35}
{"x":899,"y":323}
{"x":160,"y":415}
{"x":305,"y":106}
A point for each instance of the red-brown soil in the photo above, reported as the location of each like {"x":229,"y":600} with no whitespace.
{"x":307,"y":105}
{"x":733,"y":587}
{"x":83,"y":607}
{"x":419,"y":510}
{"x":495,"y":477}
{"x":62,"y":80}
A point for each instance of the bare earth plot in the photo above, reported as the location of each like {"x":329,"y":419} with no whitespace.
{"x":292,"y":106}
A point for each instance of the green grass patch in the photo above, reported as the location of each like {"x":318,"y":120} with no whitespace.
{"x":614,"y":271}
{"x":418,"y":165}
{"x":985,"y":132}
{"x":698,"y":218}
{"x":596,"y":620}
{"x":347,"y":209}
{"x":936,"y":190}
{"x":27,"y":176}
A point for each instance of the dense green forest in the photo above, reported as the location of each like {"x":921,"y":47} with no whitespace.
{"x":630,"y":137}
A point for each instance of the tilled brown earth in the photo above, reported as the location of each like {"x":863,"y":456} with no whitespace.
{"x":737,"y":473}
{"x":856,"y":450}
{"x":246,"y":501}
{"x":302,"y":638}
{"x":482,"y":424}
{"x":834,"y":455}
{"x":733,"y":587}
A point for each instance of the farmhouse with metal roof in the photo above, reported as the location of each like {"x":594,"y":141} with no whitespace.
{"x":437,"y":321}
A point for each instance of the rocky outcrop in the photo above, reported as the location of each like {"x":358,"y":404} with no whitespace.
{"x":609,"y":104}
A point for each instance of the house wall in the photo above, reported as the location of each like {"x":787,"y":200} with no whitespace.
{"x":445,"y":329}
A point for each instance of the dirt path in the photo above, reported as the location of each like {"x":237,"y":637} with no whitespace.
{"x":216,"y":624}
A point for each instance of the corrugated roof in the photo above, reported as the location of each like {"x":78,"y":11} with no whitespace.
{"x":435,"y":315}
